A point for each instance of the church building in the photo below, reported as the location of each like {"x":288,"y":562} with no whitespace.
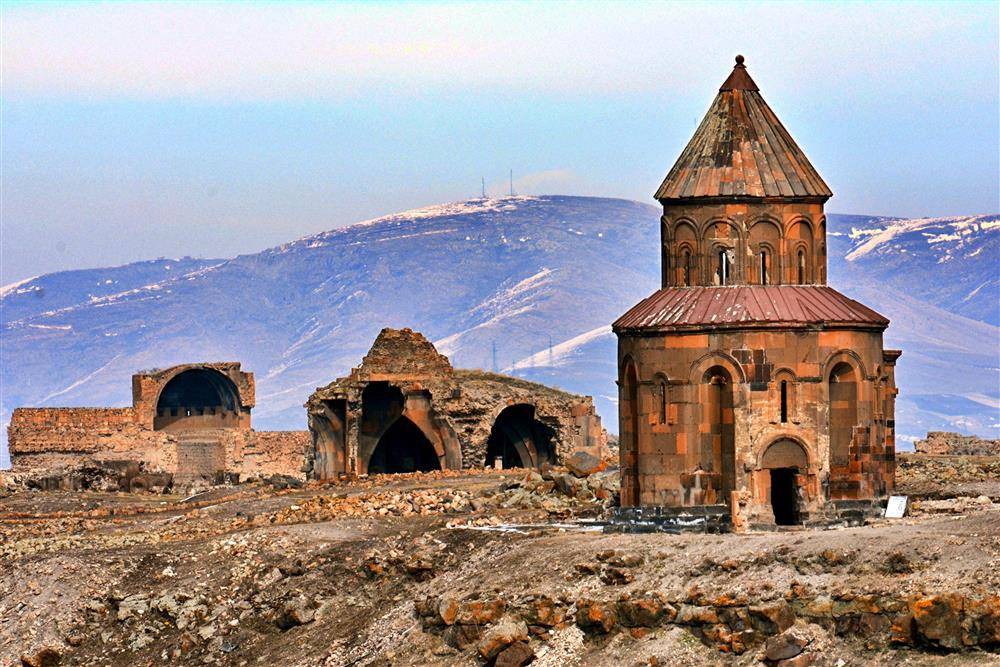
{"x":745,"y":382}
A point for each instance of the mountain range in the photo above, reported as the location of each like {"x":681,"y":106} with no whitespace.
{"x":524,"y":285}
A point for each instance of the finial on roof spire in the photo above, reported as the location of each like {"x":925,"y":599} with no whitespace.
{"x":738,"y":78}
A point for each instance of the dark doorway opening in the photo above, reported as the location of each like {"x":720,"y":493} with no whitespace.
{"x":784,"y":500}
{"x":403,"y":448}
{"x":518,"y":439}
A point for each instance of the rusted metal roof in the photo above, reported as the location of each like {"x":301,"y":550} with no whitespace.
{"x":741,"y":149}
{"x":748,"y":307}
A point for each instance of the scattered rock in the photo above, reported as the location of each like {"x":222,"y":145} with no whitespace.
{"x":784,"y":646}
{"x":515,"y":655}
{"x":583,"y":464}
{"x":295,"y":612}
{"x":595,"y":616}
{"x":43,"y":657}
{"x":500,"y":636}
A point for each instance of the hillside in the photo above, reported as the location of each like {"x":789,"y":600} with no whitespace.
{"x":530,"y":282}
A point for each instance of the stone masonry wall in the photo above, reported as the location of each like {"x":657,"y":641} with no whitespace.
{"x":674,"y":428}
{"x":455,"y":409}
{"x":54,"y":437}
{"x":944,"y":443}
{"x":265,"y":453}
{"x":50,"y":438}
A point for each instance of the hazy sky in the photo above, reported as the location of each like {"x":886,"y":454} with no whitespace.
{"x":137,"y":131}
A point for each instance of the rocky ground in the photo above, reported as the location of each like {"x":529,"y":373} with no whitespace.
{"x":489,"y":568}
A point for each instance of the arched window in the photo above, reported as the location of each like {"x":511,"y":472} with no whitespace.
{"x":687,"y":267}
{"x":765,"y":266}
{"x":802,"y":266}
{"x":722,"y":273}
{"x":663,"y":402}
{"x":784,"y":401}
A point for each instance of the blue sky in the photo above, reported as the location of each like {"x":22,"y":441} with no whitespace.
{"x":132,"y":131}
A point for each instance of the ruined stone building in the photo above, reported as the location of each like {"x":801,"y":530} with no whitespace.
{"x":406,"y":409}
{"x":190,"y":421}
{"x":747,"y":381}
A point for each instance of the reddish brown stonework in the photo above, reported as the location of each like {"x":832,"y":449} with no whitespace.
{"x":746,"y":380}
{"x":192,"y":421}
{"x":405,"y":409}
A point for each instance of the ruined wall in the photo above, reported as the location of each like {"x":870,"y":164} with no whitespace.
{"x":49,"y":438}
{"x":679,"y":431}
{"x":55,"y":437}
{"x":945,"y":443}
{"x":265,"y":453}
{"x":404,"y":378}
{"x":147,"y":386}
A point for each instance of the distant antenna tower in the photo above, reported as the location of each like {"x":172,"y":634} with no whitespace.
{"x":484,"y":187}
{"x":494,"y":356}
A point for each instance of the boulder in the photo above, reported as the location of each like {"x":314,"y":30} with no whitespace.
{"x":771,"y":618}
{"x":542,"y":611}
{"x":295,"y":612}
{"x":515,"y":655}
{"x":583,"y":464}
{"x":447,"y":610}
{"x":938,"y":619}
{"x":500,"y":636}
{"x":647,"y":611}
{"x":477,"y":612}
{"x":595,"y":616}
{"x":784,"y":646}
{"x":43,"y":657}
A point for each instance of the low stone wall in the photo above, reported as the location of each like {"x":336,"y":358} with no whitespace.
{"x":945,"y":443}
{"x":64,"y":438}
{"x":59,"y":437}
{"x":265,"y":453}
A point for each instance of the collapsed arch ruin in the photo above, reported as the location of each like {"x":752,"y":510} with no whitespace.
{"x":405,"y":401}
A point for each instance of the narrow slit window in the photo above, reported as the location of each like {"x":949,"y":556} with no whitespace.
{"x":784,"y":401}
{"x":687,"y":268}
{"x":802,"y":267}
{"x":723,"y":267}
{"x":763,"y":267}
{"x":663,"y":402}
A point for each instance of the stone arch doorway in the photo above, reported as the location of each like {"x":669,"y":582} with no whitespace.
{"x":718,"y":453}
{"x":198,"y":398}
{"x":518,"y":439}
{"x":403,"y":448}
{"x":786,"y":463}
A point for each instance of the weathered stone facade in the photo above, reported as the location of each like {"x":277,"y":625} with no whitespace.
{"x":191,"y":421}
{"x":746,"y":381}
{"x":405,"y":408}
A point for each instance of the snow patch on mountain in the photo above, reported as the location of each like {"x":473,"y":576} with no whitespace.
{"x":559,"y":355}
{"x":13,"y":288}
{"x":465,"y":208}
{"x":949,"y":229}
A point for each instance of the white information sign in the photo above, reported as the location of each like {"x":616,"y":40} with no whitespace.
{"x":896,"y":507}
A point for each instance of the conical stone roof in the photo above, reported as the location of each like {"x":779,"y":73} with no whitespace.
{"x":741,"y":150}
